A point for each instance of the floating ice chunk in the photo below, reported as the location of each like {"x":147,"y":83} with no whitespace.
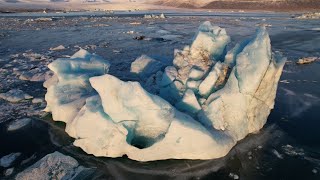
{"x":8,"y":172}
{"x":162,"y":16}
{"x":276,"y":153}
{"x":65,"y":167}
{"x":145,"y":66}
{"x":314,"y":171}
{"x":189,"y":103}
{"x":18,"y":124}
{"x":33,"y":56}
{"x":314,"y":15}
{"x":6,"y":161}
{"x":15,"y":95}
{"x":58,"y":48}
{"x":110,"y":117}
{"x":307,"y":60}
{"x":37,"y":100}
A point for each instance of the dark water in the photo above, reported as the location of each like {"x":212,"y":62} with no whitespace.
{"x":288,"y":147}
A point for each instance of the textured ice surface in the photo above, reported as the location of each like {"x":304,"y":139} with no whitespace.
{"x":196,"y":109}
{"x":68,"y":89}
{"x":52,"y":166}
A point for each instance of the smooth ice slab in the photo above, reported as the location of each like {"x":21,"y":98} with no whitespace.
{"x":198,"y":108}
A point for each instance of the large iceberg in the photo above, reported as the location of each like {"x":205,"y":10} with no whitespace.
{"x":198,"y":108}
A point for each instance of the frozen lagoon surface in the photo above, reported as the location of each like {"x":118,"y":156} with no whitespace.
{"x":287,"y":146}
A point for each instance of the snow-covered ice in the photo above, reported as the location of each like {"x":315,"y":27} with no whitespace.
{"x":206,"y":101}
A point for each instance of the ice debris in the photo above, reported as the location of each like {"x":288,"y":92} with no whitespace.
{"x":18,"y":124}
{"x":52,"y":166}
{"x":145,"y":66}
{"x":8,"y":172}
{"x":6,"y":161}
{"x":307,"y":60}
{"x":58,"y":48}
{"x":15,"y":95}
{"x":152,"y":16}
{"x":314,"y":15}
{"x":199,"y":107}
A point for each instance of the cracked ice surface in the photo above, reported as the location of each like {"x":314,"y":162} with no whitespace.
{"x":198,"y":108}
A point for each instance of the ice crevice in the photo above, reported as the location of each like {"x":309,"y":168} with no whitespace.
{"x":196,"y":108}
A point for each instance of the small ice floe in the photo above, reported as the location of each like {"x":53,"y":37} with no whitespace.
{"x":44,"y":19}
{"x":275,"y":152}
{"x":135,"y":23}
{"x":314,"y":171}
{"x":58,"y":48}
{"x":315,"y":15}
{"x":116,"y":51}
{"x":307,"y":60}
{"x":33,"y":56}
{"x":6,"y":161}
{"x":90,"y":46}
{"x":264,"y":24}
{"x":34,"y":75}
{"x":37,"y":100}
{"x":292,"y":151}
{"x":152,"y":16}
{"x":130,"y":32}
{"x":8,"y":172}
{"x":15,"y":95}
{"x":18,"y":124}
{"x":54,"y":166}
{"x":234,"y":176}
{"x":284,"y":81}
{"x":101,"y":25}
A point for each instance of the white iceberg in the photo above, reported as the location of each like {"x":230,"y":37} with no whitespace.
{"x":206,"y":102}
